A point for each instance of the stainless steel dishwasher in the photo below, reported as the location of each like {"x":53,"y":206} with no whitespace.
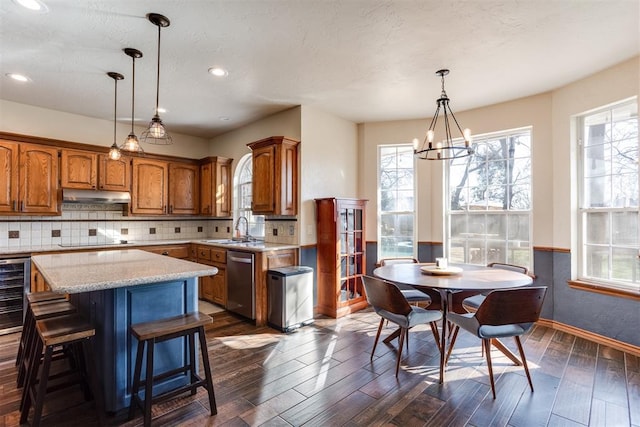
{"x":241,"y":288}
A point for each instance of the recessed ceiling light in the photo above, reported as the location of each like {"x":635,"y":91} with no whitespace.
{"x":224,"y":118}
{"x":33,"y":5}
{"x":218,"y":72}
{"x":18,"y":77}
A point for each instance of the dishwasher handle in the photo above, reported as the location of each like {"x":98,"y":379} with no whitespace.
{"x":242,"y":260}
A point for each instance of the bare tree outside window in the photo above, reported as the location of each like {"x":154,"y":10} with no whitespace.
{"x":609,"y":196}
{"x":489,"y":201}
{"x":396,"y":193}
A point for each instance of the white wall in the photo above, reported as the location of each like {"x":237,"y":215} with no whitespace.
{"x":35,"y":121}
{"x":328,"y":164}
{"x":611,"y":85}
{"x":233,"y":144}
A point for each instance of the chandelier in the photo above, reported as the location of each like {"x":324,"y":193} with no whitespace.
{"x":444,"y":149}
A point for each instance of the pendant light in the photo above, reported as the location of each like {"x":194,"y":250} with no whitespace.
{"x":131,"y":143}
{"x":156,"y":133}
{"x":114,"y":151}
{"x":445,"y":149}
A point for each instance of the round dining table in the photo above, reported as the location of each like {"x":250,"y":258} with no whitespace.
{"x":456,"y":277}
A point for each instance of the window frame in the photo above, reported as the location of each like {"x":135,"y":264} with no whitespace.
{"x":583,"y":279}
{"x":470,"y":213}
{"x":380,"y":212}
{"x":255,"y":222}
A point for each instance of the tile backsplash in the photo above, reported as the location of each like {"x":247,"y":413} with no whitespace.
{"x":88,"y":224}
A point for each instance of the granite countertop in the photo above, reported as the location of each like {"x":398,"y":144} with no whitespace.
{"x":98,"y":270}
{"x":245,"y":246}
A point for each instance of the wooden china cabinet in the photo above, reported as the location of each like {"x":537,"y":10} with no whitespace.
{"x":341,"y":257}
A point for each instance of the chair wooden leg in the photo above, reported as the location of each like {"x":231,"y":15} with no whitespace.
{"x":207,"y":371}
{"x":456,"y":329}
{"x":436,"y":334}
{"x":403,"y":334}
{"x":375,"y":343}
{"x":487,"y":347}
{"x":524,"y":361}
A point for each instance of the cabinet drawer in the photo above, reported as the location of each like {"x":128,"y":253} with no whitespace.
{"x":204,"y":253}
{"x":172,"y":251}
{"x":219,"y":255}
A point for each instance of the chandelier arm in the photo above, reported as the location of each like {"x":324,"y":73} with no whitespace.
{"x":456,"y":122}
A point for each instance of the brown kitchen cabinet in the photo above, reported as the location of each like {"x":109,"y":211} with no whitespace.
{"x":29,"y":179}
{"x":79,"y":169}
{"x":184,"y":188}
{"x":275,"y":176}
{"x":341,"y":257}
{"x":213,"y":288}
{"x":215,"y":187}
{"x":149,"y":186}
{"x":174,"y":251}
{"x":114,"y":175}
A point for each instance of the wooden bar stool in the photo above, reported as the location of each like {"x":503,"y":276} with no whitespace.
{"x":150,"y":333}
{"x":38,"y":311}
{"x":75,"y":332}
{"x":34,"y":298}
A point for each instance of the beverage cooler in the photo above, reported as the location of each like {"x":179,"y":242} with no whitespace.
{"x":14,"y":282}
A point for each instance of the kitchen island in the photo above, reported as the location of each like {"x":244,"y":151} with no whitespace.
{"x":116,"y":289}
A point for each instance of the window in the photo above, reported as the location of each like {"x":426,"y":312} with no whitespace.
{"x":396,"y":195}
{"x":488,"y":214}
{"x":242,"y":195}
{"x":608,"y":204}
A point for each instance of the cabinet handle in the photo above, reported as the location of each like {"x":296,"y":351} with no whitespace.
{"x":21,"y":206}
{"x":170,"y":208}
{"x":166,"y":253}
{"x":15,"y":205}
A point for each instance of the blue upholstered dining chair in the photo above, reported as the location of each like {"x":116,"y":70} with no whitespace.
{"x":412,"y":295}
{"x":390,"y":304}
{"x":503,"y":313}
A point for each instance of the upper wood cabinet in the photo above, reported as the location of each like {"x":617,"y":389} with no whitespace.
{"x":79,"y":169}
{"x":215,"y":187}
{"x":275,"y":176}
{"x":184,"y":189}
{"x":29,"y":178}
{"x":114,"y":175}
{"x":9,"y":167}
{"x":149,"y":187}
{"x":89,"y":170}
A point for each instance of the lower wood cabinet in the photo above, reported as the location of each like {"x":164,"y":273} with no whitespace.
{"x":213,"y":288}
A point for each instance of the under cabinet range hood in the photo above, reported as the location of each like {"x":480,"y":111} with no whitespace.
{"x":94,"y":196}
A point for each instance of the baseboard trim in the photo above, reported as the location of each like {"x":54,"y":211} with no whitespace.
{"x":591,"y":336}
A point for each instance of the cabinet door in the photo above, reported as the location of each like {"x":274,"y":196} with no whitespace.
{"x":149,"y":190}
{"x":38,"y":191}
{"x":288,"y":202}
{"x":263,"y":184}
{"x":223,"y":188}
{"x":79,"y":169}
{"x":8,"y":176}
{"x":114,"y":175}
{"x":219,"y":286}
{"x":206,"y":284}
{"x":183,"y":188}
{"x":206,"y":189}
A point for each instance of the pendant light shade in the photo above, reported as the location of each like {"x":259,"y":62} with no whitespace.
{"x":114,"y":151}
{"x":445,"y":149}
{"x":131,"y":144}
{"x":156,"y":133}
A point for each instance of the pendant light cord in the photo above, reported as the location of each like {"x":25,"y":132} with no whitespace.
{"x":115,"y":109}
{"x":158,"y":74}
{"x":133,"y":91}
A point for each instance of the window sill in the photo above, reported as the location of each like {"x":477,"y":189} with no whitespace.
{"x":601,"y":288}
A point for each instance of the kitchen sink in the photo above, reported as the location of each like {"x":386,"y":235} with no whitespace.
{"x":244,"y":243}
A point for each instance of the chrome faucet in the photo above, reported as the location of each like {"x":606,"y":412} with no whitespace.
{"x":246,"y":226}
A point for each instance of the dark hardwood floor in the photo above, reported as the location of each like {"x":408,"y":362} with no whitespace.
{"x":321,"y":375}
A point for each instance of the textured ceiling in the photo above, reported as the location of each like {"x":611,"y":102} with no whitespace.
{"x":363,"y":60}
